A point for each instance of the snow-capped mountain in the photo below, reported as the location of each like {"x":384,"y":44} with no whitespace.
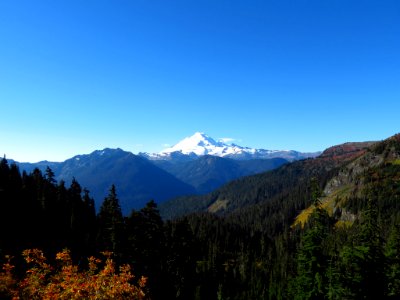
{"x":200,"y":144}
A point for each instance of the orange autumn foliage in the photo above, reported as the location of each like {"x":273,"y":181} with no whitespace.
{"x":66,"y":281}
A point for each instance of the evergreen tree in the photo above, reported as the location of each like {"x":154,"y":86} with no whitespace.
{"x":334,"y":290}
{"x":363,"y":260}
{"x":50,"y":175}
{"x":310,"y":281}
{"x":5,"y":204}
{"x":392,"y":253}
{"x":181,"y":259}
{"x":146,"y":245}
{"x":83,"y":221}
{"x":76,"y":215}
{"x":110,"y":224}
{"x":90,"y":223}
{"x":4,"y":170}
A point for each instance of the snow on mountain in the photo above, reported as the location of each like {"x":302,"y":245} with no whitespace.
{"x":201,"y":144}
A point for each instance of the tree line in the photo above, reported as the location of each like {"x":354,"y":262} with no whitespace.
{"x":252,"y":253}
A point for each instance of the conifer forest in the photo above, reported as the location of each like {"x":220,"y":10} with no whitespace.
{"x":320,"y":228}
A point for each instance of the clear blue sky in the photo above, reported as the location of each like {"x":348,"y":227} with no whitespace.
{"x":76,"y":76}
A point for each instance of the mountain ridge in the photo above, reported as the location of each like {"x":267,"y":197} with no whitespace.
{"x":200,"y":144}
{"x":139,"y":180}
{"x":175,"y":174}
{"x":372,"y":170}
{"x":251,"y":190}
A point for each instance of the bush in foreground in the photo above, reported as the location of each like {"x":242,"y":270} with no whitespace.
{"x":66,"y":281}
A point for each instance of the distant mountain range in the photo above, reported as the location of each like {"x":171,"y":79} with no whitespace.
{"x":201,"y":144}
{"x":196,"y":165}
{"x":137,"y":180}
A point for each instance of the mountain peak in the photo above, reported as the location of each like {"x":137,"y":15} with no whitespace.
{"x":199,"y":144}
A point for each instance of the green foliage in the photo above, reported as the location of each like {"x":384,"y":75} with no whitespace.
{"x":311,"y":280}
{"x":392,"y":253}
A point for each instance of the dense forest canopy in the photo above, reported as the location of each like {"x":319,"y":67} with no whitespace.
{"x":324,"y":228}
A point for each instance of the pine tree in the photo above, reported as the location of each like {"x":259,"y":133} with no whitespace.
{"x":146,"y":242}
{"x":363,"y":260}
{"x":90,"y":224}
{"x":4,"y":171}
{"x":370,"y":239}
{"x":110,"y":224}
{"x":392,"y":253}
{"x":181,"y":259}
{"x":6,"y":204}
{"x":311,"y":260}
{"x":334,"y":290}
{"x":76,"y":216}
{"x":50,"y":175}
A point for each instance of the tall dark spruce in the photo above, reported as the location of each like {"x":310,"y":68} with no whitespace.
{"x":110,"y":224}
{"x":311,"y":280}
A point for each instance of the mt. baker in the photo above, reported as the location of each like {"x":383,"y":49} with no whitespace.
{"x":201,"y":144}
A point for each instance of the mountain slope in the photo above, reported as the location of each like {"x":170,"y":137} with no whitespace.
{"x":137,"y":180}
{"x":276,"y":184}
{"x":207,"y":172}
{"x":361,"y":185}
{"x":375,"y":174}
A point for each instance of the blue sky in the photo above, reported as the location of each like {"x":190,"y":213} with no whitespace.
{"x":76,"y":76}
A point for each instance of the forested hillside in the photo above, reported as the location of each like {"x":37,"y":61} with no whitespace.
{"x":206,"y":173}
{"x":261,"y":188}
{"x":323,"y":228}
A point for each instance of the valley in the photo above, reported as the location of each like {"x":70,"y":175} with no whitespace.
{"x":267,"y":235}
